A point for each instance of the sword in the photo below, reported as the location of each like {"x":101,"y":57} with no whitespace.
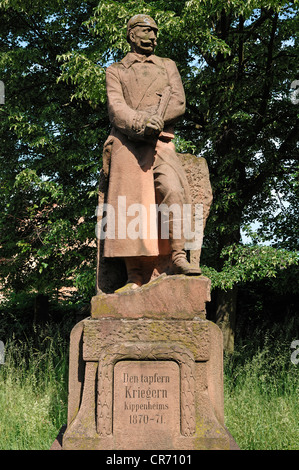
{"x":165,"y":97}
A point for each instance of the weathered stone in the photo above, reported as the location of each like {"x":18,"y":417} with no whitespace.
{"x":129,"y":350}
{"x":146,"y":403}
{"x":146,"y":369}
{"x":195,"y":335}
{"x":145,"y":97}
{"x":167,"y":297}
{"x":76,"y":371}
{"x":197,"y":173}
{"x":111,"y":272}
{"x":122,"y":347}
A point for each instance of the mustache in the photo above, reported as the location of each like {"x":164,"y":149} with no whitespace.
{"x":149,"y":42}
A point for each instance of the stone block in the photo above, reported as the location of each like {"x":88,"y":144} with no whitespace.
{"x":148,"y":385}
{"x":175,"y":296}
{"x":144,"y":376}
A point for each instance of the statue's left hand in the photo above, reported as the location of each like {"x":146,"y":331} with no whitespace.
{"x":154,"y":125}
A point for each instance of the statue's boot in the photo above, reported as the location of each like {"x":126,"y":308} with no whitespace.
{"x":182,"y":266}
{"x":134,"y":272}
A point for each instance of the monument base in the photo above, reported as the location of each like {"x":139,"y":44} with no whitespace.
{"x":57,"y":444}
{"x":142,"y":381}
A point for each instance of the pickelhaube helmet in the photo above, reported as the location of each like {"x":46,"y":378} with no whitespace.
{"x":140,"y":20}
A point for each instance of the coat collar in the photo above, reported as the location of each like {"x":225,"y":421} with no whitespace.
{"x":132,"y":57}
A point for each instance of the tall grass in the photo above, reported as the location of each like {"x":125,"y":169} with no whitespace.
{"x":33,"y":393}
{"x":261,"y":390}
{"x":261,"y":387}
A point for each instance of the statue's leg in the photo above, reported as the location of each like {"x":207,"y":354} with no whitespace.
{"x":171,"y":194}
{"x":134,"y":271}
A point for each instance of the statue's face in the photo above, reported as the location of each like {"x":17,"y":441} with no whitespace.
{"x":143,"y":40}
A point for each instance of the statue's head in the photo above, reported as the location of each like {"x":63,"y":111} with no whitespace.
{"x":142,"y":34}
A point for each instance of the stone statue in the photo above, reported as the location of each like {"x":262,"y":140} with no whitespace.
{"x":145,"y":99}
{"x":147,"y":345}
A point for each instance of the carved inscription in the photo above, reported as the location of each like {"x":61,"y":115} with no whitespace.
{"x":145,"y":351}
{"x":146,"y":398}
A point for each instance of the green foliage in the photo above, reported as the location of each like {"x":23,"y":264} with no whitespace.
{"x":53,"y":137}
{"x":184,"y":146}
{"x":249,"y":263}
{"x":18,"y":322}
{"x":86,"y":75}
{"x":261,"y":387}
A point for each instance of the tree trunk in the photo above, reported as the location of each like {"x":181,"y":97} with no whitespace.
{"x":41,"y":309}
{"x":226,"y":316}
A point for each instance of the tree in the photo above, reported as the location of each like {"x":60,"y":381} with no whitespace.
{"x":50,"y":148}
{"x":251,"y":128}
{"x":237,"y":59}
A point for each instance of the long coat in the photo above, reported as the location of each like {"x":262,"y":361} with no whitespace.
{"x":134,"y":89}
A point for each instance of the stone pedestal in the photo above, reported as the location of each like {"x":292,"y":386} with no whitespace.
{"x":146,"y":371}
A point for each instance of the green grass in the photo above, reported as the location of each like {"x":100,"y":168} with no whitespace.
{"x":33,"y":394}
{"x":260,"y":385}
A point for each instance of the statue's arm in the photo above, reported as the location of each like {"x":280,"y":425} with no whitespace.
{"x":177,"y":103}
{"x":124,"y":118}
